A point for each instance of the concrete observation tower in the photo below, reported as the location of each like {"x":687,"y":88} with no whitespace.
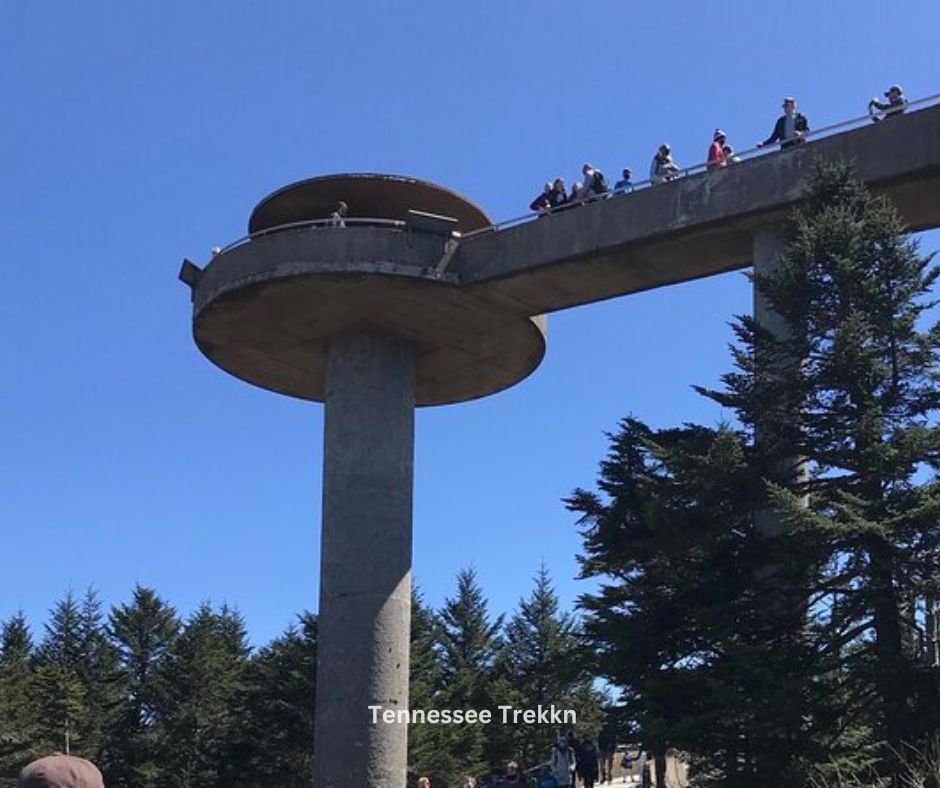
{"x":414,"y":302}
{"x":364,"y":318}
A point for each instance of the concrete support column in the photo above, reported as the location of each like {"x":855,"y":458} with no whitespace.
{"x":365,"y":582}
{"x":769,"y":245}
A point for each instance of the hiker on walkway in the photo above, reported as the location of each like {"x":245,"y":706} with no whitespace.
{"x":716,"y":151}
{"x":663,"y":168}
{"x":558,"y":196}
{"x":338,"y":217}
{"x":595,"y":184}
{"x":543,"y":203}
{"x":730,"y":156}
{"x":895,"y":105}
{"x":577,"y":193}
{"x":625,"y":184}
{"x":791,"y":127}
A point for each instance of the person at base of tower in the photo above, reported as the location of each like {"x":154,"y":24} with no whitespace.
{"x":424,"y":782}
{"x":606,"y":746}
{"x":60,"y":771}
{"x":716,"y":151}
{"x":513,"y":777}
{"x":562,"y":763}
{"x":587,"y":766}
{"x":791,"y":127}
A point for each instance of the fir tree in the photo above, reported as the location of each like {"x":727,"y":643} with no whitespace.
{"x":18,"y":722}
{"x":142,"y":632}
{"x":202,"y":678}
{"x":470,"y":643}
{"x":272,"y":743}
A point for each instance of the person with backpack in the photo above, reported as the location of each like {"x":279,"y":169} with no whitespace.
{"x":595,"y":184}
{"x":562,"y":763}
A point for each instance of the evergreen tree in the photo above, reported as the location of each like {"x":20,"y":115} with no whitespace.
{"x":856,"y":291}
{"x":202,"y":679}
{"x":763,"y":656}
{"x":59,"y":692}
{"x":18,"y":732}
{"x":427,"y":746}
{"x":273,"y":742}
{"x":470,"y":644}
{"x":142,"y":632}
{"x":546,"y":665}
{"x":97,"y":672}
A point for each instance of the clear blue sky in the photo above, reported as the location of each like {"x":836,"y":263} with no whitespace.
{"x":134,"y":134}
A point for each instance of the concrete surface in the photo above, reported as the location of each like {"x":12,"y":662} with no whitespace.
{"x":695,"y":226}
{"x":266,"y":311}
{"x":367,"y":195}
{"x":365,"y":564}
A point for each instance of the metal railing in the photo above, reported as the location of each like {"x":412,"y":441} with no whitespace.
{"x":695,"y":169}
{"x":349,"y":221}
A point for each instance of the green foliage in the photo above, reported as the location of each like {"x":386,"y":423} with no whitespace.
{"x":767,"y":657}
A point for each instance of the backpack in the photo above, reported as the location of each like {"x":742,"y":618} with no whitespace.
{"x":600,"y":183}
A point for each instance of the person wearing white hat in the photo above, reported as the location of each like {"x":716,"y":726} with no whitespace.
{"x":716,"y":151}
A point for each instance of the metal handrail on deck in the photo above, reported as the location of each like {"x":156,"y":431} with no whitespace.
{"x":354,"y":221}
{"x":696,"y":169}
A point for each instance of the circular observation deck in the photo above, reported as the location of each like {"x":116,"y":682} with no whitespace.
{"x":266,"y":309}
{"x":369,"y":196}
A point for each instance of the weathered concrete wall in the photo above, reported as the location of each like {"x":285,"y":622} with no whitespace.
{"x":365,"y":574}
{"x":695,"y":226}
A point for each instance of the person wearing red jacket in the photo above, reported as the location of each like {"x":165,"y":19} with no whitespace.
{"x":716,"y":151}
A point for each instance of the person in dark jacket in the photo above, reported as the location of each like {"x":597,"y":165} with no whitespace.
{"x":791,"y":127}
{"x":543,"y":203}
{"x":587,"y":764}
{"x":559,"y":195}
{"x":895,"y":105}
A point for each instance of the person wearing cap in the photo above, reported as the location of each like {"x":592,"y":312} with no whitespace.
{"x":60,"y":771}
{"x":895,"y":105}
{"x":625,"y":184}
{"x":716,"y":151}
{"x":663,"y":168}
{"x":790,"y":129}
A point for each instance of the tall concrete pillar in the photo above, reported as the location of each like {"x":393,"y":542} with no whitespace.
{"x":769,"y":245}
{"x":365,"y":580}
